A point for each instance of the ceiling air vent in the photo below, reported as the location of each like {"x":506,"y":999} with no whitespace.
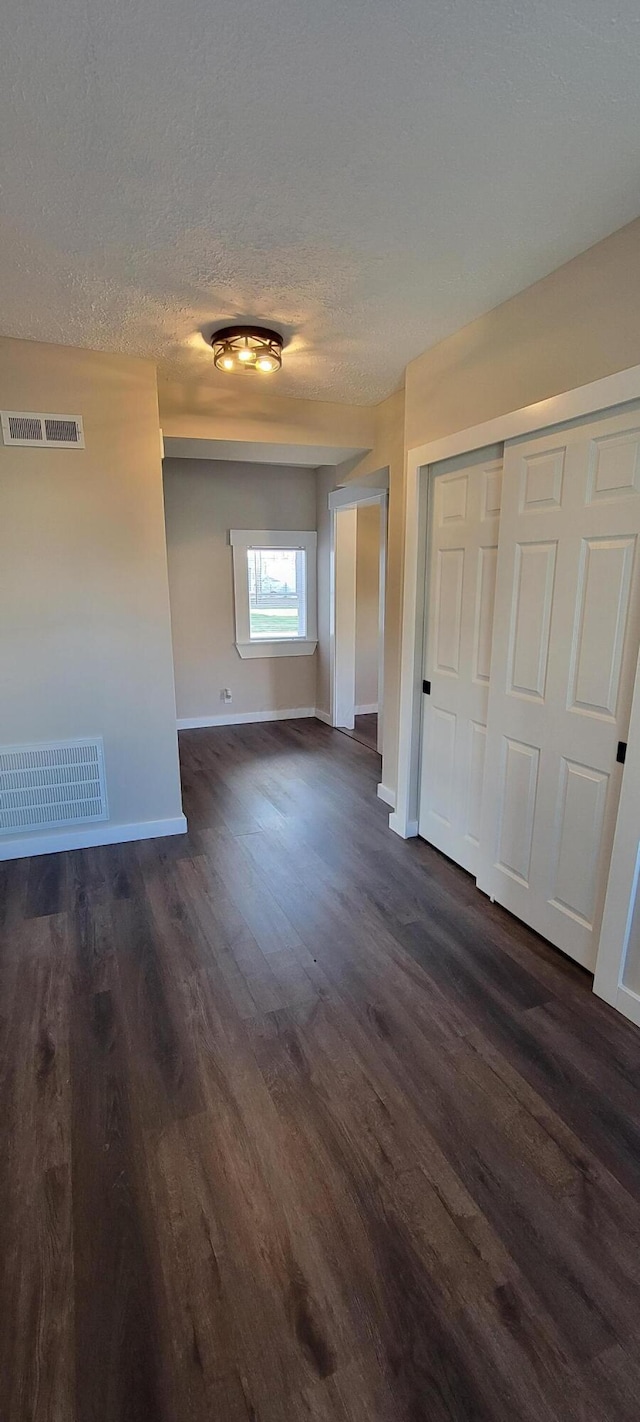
{"x":52,"y":784}
{"x":49,"y":431}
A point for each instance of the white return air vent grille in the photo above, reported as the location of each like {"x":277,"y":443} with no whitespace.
{"x":50,"y":785}
{"x":49,"y":431}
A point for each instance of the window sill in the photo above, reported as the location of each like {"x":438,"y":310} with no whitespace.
{"x":285,"y":647}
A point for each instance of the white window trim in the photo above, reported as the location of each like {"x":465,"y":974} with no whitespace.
{"x":242,"y":539}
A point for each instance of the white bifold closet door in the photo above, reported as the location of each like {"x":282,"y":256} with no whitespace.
{"x":460,"y":581}
{"x":565,"y":646}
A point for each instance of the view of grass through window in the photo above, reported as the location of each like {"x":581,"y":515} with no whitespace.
{"x":276,"y":592}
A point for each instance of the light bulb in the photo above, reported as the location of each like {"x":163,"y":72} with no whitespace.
{"x":265,"y":363}
{"x":246,"y":355}
{"x":228,"y":363}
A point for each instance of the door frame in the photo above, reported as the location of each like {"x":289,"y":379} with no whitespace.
{"x":589,"y":399}
{"x":343,"y":505}
{"x":622,"y":900}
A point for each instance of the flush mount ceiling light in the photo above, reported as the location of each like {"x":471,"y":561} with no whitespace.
{"x":247,"y":348}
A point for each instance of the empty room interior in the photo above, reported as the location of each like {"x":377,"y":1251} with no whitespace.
{"x":320,"y":712}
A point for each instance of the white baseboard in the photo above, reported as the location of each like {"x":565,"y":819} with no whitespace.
{"x":59,"y":840}
{"x":384,"y":792}
{"x":371,"y":710}
{"x":244,"y":718}
{"x":406,"y":829}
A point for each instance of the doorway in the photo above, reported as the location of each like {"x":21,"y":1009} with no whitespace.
{"x":359,"y":540}
{"x":365,"y":730}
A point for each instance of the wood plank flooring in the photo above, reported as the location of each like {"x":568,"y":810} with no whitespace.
{"x":298,"y":1128}
{"x":365,"y":730}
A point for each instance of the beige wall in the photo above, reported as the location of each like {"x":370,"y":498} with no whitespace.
{"x":204,"y":499}
{"x":85,"y":640}
{"x":367,"y":603}
{"x":577,"y":325}
{"x":220,"y":408}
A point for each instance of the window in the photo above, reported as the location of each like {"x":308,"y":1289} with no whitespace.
{"x":275,"y":592}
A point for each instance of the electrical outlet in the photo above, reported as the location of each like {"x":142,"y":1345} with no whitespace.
{"x":225,"y":695}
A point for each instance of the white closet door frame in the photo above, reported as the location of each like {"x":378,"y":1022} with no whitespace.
{"x":565,"y":654}
{"x":622,"y":903}
{"x":584,"y":400}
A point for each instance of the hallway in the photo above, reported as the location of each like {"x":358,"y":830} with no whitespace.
{"x":297,"y":1126}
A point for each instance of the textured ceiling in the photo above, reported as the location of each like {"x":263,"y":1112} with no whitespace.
{"x":368,"y":176}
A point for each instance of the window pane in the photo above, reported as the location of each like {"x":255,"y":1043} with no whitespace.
{"x":276,"y":593}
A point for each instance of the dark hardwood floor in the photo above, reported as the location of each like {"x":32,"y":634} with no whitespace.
{"x":295,"y":1125}
{"x":365,"y":730}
